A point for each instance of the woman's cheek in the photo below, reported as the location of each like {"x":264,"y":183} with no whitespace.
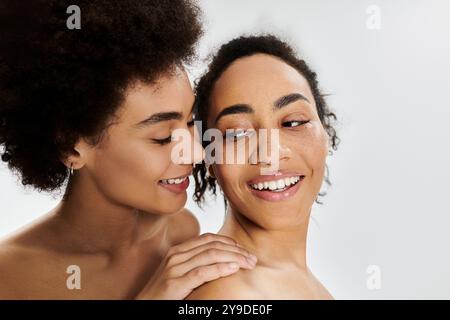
{"x":156,"y":164}
{"x":228,"y":176}
{"x":317,"y":155}
{"x":223,"y":172}
{"x":317,"y":140}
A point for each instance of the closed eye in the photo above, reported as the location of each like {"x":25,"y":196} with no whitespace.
{"x":163,"y":141}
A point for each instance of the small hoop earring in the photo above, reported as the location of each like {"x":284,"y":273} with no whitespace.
{"x":71,"y":169}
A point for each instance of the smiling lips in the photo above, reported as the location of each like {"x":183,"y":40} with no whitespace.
{"x":275,"y":187}
{"x":176,"y":185}
{"x":268,"y":187}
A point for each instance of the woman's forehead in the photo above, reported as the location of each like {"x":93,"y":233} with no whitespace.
{"x":170,"y":94}
{"x":256,"y":79}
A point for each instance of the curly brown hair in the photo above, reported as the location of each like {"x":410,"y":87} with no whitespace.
{"x":58,"y":85}
{"x":242,"y":47}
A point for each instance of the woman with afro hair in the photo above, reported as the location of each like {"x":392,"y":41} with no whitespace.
{"x":90,"y":111}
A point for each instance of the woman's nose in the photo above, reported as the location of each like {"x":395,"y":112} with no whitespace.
{"x":284,"y":151}
{"x":271,"y":150}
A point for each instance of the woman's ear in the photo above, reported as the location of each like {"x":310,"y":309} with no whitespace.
{"x":79,"y":156}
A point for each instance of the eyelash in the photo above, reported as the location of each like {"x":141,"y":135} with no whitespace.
{"x":168,"y":140}
{"x":163,"y":141}
{"x":297,"y":121}
{"x":233,"y":135}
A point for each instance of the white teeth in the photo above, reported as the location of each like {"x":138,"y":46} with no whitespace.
{"x":280,"y":184}
{"x":173,"y":181}
{"x":276,"y":185}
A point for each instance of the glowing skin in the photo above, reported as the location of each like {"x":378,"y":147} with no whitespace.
{"x":138,"y":162}
{"x":272,"y":223}
{"x":122,"y":221}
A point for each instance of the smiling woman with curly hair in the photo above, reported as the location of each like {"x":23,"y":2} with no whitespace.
{"x":91,"y":112}
{"x":254,"y":83}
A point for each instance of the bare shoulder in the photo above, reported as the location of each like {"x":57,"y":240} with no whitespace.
{"x":183,"y":226}
{"x":16,"y":265}
{"x":24,"y":259}
{"x":321,"y":290}
{"x":234,"y":287}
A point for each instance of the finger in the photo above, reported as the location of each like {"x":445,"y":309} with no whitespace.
{"x":200,"y":240}
{"x":198,"y":276}
{"x":212,"y":256}
{"x":186,"y":255}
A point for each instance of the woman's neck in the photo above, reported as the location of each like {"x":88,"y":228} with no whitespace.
{"x":93,"y":223}
{"x":281,"y":248}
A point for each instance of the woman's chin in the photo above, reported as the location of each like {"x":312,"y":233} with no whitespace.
{"x":275,"y":215}
{"x":165,"y":206}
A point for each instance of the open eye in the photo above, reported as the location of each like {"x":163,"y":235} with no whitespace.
{"x":294,"y":123}
{"x":191,"y":121}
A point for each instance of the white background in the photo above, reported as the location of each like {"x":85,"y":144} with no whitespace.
{"x":389,"y":204}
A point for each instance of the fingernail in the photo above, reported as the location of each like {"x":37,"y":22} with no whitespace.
{"x":233,"y":266}
{"x":251,"y":261}
{"x":254,"y":258}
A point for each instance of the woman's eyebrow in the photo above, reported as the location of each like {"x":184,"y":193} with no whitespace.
{"x":159,"y":117}
{"x":278,"y":104}
{"x":287,"y":99}
{"x":162,"y":116}
{"x":234,"y":109}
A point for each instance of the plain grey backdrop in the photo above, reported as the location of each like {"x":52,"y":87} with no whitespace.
{"x":386,"y":67}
